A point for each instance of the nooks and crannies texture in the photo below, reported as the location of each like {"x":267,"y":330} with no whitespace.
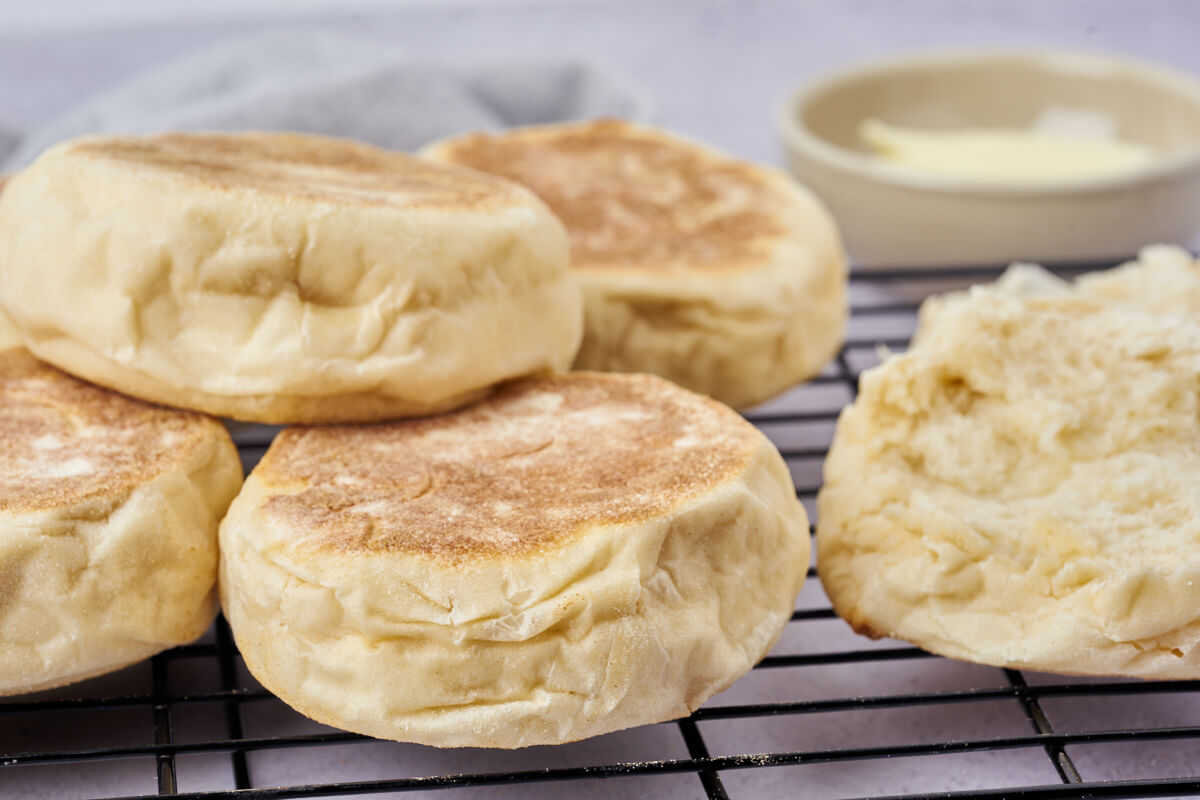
{"x":1022,"y":488}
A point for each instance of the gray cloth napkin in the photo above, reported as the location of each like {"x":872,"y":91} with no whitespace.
{"x":338,"y":86}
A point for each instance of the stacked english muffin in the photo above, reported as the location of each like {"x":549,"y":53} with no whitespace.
{"x":108,"y":514}
{"x":727,"y":278}
{"x":507,"y":556}
{"x":282,"y":278}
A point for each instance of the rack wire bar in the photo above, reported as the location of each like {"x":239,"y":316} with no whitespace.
{"x":168,"y":749}
{"x":967,"y":695}
{"x":888,"y":300}
{"x":162,"y":727}
{"x":233,"y":716}
{"x":713,"y":786}
{"x":1169,"y":787}
{"x":1037,"y":718}
{"x":717,"y":763}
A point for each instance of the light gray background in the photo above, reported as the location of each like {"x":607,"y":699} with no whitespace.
{"x":716,"y":69}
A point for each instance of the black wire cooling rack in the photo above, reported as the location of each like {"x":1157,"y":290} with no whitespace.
{"x":827,"y":714}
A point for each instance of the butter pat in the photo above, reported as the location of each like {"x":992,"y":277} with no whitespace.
{"x":999,"y":154}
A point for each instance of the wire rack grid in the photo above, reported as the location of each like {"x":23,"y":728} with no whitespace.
{"x":826,"y":714}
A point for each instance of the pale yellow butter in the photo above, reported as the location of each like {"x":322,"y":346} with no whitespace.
{"x":999,"y":154}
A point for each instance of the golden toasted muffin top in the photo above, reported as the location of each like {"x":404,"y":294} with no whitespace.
{"x":314,"y":167}
{"x":539,"y":461}
{"x":63,"y":441}
{"x":636,"y":197}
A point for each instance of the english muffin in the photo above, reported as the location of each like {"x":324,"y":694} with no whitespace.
{"x":282,"y":278}
{"x":571,"y":556}
{"x":723,"y":276}
{"x":1163,"y":279}
{"x":1019,"y":488}
{"x":108,"y":526}
{"x":8,"y":334}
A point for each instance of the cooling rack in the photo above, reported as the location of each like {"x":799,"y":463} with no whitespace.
{"x":826,"y":714}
